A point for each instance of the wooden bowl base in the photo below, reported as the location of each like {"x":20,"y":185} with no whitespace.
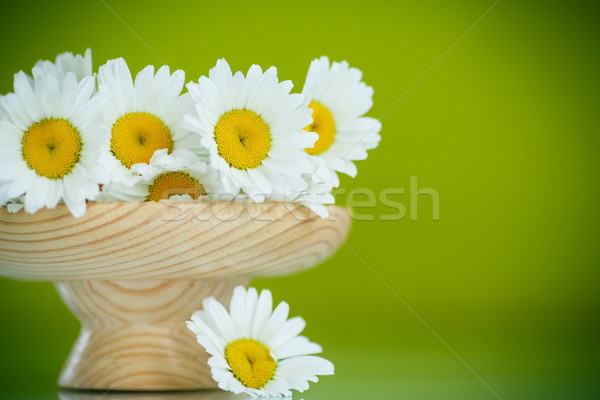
{"x":133,"y":273}
{"x":134,"y":336}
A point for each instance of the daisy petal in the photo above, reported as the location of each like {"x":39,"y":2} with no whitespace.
{"x":261,"y":337}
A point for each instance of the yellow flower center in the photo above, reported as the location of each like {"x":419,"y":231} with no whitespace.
{"x":250,"y":362}
{"x":136,"y":136}
{"x":324,"y":125}
{"x":175,"y":182}
{"x":51,"y":147}
{"x":243,"y":138}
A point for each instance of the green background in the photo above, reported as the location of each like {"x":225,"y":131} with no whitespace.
{"x":500,"y":118}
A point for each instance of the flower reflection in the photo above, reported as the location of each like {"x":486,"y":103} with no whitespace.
{"x":103,"y":395}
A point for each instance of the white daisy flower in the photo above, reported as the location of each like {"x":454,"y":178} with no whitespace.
{"x":339,"y":99}
{"x":81,"y":66}
{"x":142,"y":116}
{"x":179,"y":176}
{"x":3,"y":114}
{"x":256,"y":350}
{"x":315,"y":196}
{"x":252,"y":127}
{"x":15,"y":205}
{"x":50,"y":142}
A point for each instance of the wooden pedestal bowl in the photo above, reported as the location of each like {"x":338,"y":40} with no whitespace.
{"x":133,"y":273}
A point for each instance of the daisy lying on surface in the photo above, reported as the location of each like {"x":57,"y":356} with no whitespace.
{"x":236,"y":136}
{"x":255,"y":349}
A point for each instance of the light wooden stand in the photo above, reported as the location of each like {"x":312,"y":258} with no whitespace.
{"x":133,"y":333}
{"x":133,"y":273}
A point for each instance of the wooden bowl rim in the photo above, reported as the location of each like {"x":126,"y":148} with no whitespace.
{"x":27,"y":247}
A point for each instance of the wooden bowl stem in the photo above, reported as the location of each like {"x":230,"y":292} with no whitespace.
{"x":133,"y":273}
{"x":134,"y":336}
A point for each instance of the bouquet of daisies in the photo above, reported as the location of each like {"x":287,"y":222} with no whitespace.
{"x":69,"y":135}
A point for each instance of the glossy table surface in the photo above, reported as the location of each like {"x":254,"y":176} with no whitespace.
{"x":388,"y":373}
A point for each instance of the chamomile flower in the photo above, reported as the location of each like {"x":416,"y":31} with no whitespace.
{"x":316,"y":195}
{"x":252,"y":127}
{"x":3,"y":114}
{"x":142,"y":116}
{"x":80,"y":65}
{"x":50,"y":142}
{"x":15,"y":205}
{"x":339,"y":99}
{"x":256,"y":350}
{"x":180,"y":176}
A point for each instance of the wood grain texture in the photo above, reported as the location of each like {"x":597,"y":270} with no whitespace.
{"x":133,"y":273}
{"x":167,"y":241}
{"x":134,"y":336}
